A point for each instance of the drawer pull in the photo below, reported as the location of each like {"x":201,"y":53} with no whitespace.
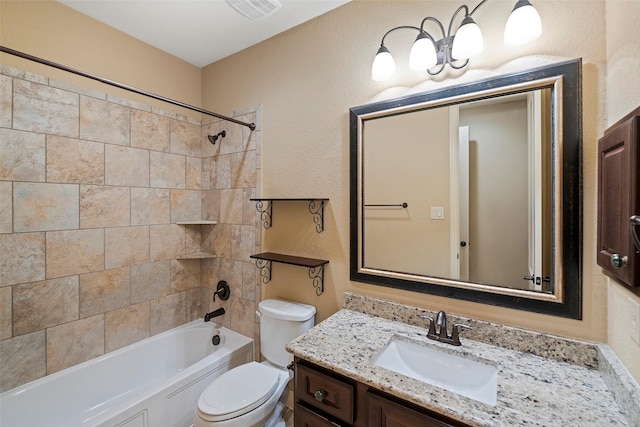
{"x":320,"y":395}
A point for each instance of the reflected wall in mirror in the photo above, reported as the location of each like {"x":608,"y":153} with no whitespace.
{"x":473,"y":192}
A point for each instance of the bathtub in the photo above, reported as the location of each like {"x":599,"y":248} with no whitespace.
{"x":153,"y":383}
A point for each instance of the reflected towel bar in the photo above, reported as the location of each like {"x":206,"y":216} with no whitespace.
{"x":23,"y":55}
{"x":401,"y":205}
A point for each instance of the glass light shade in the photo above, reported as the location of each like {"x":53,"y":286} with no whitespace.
{"x":383,"y":65}
{"x":523,"y":25}
{"x":468,"y":40}
{"x":423,"y":54}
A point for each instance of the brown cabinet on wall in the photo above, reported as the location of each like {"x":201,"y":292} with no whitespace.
{"x":619,"y":201}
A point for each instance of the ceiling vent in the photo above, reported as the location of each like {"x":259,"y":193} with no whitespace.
{"x":255,"y":9}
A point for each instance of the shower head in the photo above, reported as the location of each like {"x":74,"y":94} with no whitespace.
{"x":214,"y":138}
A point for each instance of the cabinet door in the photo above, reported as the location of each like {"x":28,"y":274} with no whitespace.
{"x":382,"y":412}
{"x":306,"y":418}
{"x":618,"y":201}
{"x":319,"y":389}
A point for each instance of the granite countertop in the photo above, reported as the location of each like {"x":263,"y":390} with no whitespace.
{"x":532,"y":390}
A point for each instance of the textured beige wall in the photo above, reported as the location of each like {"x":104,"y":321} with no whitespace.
{"x":623,"y":95}
{"x":57,"y":33}
{"x":307,"y":79}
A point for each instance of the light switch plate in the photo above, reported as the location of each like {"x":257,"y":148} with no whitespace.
{"x":437,"y":212}
{"x":634,"y":313}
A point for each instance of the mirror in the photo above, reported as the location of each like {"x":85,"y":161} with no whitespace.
{"x":473,"y":191}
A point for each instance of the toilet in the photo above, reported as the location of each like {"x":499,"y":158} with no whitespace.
{"x":254,"y":394}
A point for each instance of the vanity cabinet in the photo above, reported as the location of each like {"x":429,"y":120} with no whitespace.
{"x":618,"y":200}
{"x":324,"y":398}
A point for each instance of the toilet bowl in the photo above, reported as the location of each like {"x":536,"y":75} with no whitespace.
{"x":245,"y":396}
{"x":254,"y":394}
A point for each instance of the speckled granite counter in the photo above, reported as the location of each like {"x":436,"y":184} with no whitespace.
{"x":532,"y":390}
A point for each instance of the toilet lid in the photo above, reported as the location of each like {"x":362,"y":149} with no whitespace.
{"x":238,"y":391}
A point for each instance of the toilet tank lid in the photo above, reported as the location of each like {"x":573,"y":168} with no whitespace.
{"x":286,"y":310}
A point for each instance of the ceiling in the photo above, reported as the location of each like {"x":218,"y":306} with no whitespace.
{"x":200,"y":31}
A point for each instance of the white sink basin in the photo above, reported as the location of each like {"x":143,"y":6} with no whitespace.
{"x":439,"y":368}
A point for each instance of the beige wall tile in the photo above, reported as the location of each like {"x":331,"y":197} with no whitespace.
{"x":74,"y":343}
{"x":242,"y":316}
{"x":126,"y":246}
{"x":250,"y":274}
{"x":185,"y":275}
{"x":104,"y":291}
{"x":6,"y":313}
{"x":223,"y":172}
{"x":23,"y":258}
{"x":250,"y":215}
{"x":167,"y":312}
{"x":6,"y":207}
{"x":150,"y":206}
{"x":231,"y":272}
{"x":243,"y":242}
{"x":231,"y":203}
{"x":44,"y":304}
{"x":194,"y":304}
{"x":185,"y":138}
{"x":209,"y":149}
{"x":126,"y":166}
{"x":166,"y":241}
{"x":150,"y":281}
{"x":126,"y":326}
{"x":210,"y":275}
{"x":44,"y":207}
{"x":102,"y":206}
{"x":150,"y":131}
{"x":243,"y":169}
{"x":167,"y":170}
{"x":186,"y":205}
{"x":193,"y":239}
{"x":219,"y":240}
{"x":6,"y":101}
{"x":40,"y":108}
{"x":193,"y":180}
{"x":104,"y":121}
{"x":211,"y":205}
{"x":74,"y":252}
{"x":23,"y":360}
{"x":22,"y":156}
{"x":71,"y":160}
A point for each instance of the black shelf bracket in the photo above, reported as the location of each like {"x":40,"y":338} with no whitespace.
{"x":265,"y":208}
{"x":265,"y":270}
{"x":316,"y":207}
{"x":317,"y":275}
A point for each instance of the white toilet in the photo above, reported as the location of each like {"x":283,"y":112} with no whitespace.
{"x":254,"y":394}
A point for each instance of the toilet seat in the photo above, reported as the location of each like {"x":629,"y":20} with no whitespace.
{"x":238,"y":391}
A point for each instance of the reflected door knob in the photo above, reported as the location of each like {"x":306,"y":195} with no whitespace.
{"x":618,"y":261}
{"x":463,"y":243}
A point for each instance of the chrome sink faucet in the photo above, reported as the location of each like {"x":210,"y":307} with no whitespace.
{"x":442,"y":334}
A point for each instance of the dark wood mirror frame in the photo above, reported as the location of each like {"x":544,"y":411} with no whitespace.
{"x":570,"y":302}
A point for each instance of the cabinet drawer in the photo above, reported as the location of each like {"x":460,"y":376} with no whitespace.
{"x":307,"y":418}
{"x":382,"y":412}
{"x":320,"y":390}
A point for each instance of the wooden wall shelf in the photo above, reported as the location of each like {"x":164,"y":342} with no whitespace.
{"x":316,"y":208}
{"x":316,"y":267}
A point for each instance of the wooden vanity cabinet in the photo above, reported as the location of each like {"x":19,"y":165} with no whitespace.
{"x":326,"y":399}
{"x":618,"y":200}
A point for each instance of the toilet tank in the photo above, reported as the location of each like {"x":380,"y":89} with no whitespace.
{"x":280,"y":322}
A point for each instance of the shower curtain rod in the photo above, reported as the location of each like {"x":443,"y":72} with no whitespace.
{"x":23,"y":55}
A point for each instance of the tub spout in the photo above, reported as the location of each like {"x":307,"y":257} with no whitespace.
{"x":214,"y":313}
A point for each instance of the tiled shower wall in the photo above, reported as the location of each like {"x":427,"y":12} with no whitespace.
{"x":91,"y":188}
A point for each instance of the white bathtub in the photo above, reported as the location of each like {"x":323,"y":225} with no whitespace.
{"x":153,"y":383}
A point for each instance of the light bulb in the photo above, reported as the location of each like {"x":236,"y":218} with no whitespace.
{"x":383,"y":65}
{"x":468,"y":40}
{"x":523,"y":25}
{"x":423,"y":53}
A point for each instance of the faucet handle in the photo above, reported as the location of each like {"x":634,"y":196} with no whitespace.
{"x":432,"y":326}
{"x":455,"y":333}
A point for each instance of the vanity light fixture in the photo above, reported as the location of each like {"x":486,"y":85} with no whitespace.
{"x":451,"y":49}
